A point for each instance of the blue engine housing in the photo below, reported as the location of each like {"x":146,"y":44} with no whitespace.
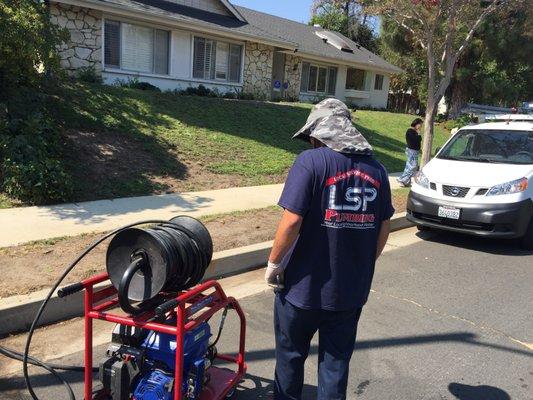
{"x":160,"y":358}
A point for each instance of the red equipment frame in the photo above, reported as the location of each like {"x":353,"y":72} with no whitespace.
{"x":189,"y":304}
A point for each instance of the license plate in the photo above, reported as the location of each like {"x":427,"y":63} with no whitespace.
{"x":449,"y":212}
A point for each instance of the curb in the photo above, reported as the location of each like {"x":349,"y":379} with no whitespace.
{"x":17,"y":312}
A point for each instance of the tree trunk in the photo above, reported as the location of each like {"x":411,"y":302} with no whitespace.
{"x":458,"y":99}
{"x":429,"y":120}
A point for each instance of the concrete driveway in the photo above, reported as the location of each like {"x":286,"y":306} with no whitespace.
{"x":449,"y":317}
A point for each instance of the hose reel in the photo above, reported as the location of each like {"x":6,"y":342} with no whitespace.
{"x":168,"y":257}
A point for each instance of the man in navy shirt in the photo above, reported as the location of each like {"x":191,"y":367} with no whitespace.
{"x":336,"y":222}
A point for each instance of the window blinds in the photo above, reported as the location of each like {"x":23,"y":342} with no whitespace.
{"x":161,"y":50}
{"x":214,"y":60}
{"x":222,"y":62}
{"x":137,"y":48}
{"x":112,"y":44}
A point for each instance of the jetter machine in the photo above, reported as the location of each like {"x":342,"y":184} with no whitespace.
{"x":162,"y":346}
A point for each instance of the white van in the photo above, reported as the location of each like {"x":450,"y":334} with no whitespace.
{"x":479,"y":183}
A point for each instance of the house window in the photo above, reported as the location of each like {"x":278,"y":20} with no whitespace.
{"x":216,"y":60}
{"x":378,"y":83}
{"x":355,"y":79}
{"x":136,"y":48}
{"x":112,"y":44}
{"x":318,"y":79}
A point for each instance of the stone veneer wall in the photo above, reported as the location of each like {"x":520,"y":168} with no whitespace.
{"x":293,"y":75}
{"x":84,"y":49}
{"x":258,"y":59}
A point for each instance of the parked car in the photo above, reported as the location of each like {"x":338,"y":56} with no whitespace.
{"x":479,"y":183}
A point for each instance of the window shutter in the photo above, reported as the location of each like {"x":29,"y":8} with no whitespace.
{"x":235,"y":62}
{"x":137,"y":48}
{"x":332,"y":81}
{"x":112,"y":44}
{"x":304,"y":87}
{"x":199,"y":58}
{"x":161,"y":51}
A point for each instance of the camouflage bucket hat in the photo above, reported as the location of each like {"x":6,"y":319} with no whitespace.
{"x":330,"y":122}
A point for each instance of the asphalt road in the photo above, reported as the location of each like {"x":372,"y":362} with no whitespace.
{"x":449,"y":318}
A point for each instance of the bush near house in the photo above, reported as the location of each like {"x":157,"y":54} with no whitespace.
{"x":31,"y":166}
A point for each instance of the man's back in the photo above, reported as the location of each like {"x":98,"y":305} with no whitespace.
{"x":343,"y":199}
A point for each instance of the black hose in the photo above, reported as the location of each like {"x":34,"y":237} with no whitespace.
{"x":19,"y":356}
{"x":25,"y":356}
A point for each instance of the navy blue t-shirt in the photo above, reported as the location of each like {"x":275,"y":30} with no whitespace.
{"x":343,"y":199}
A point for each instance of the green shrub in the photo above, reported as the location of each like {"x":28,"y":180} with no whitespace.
{"x":230,"y":95}
{"x":246,"y":96}
{"x":30,"y":147}
{"x":31,"y":168}
{"x":463,"y":120}
{"x":440,"y":118}
{"x":89,"y":75}
{"x":135,"y":83}
{"x":201,"y":91}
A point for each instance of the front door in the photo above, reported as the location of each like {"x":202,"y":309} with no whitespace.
{"x":278,"y":75}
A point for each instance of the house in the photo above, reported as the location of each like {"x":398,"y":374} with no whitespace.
{"x":175,"y":44}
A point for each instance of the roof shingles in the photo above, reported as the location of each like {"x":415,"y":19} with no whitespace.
{"x":261,"y":26}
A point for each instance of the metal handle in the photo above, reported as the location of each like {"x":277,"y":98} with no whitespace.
{"x":166,"y":307}
{"x":70,"y":289}
{"x":124,"y":287}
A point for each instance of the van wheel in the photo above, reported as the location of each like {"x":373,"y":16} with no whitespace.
{"x":422,"y":228}
{"x":527,"y":240}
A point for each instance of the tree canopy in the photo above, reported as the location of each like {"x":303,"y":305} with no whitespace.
{"x":443,"y":30}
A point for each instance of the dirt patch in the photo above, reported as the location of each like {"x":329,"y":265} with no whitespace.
{"x":112,"y":165}
{"x":35,"y":266}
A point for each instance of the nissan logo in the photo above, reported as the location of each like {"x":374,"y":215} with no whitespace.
{"x":455,"y":191}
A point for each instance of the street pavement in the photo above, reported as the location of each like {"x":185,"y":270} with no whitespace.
{"x":449,"y":317}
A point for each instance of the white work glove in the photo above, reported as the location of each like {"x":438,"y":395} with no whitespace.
{"x":274,"y":275}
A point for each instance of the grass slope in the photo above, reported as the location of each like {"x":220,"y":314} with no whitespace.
{"x":126,"y":142}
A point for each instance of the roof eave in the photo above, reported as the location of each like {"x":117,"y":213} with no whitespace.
{"x":231,"y":8}
{"x":175,"y":22}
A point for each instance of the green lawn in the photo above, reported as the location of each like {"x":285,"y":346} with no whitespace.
{"x":386,"y":132}
{"x":179,"y":138}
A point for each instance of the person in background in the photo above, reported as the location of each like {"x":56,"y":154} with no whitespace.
{"x":414,"y":142}
{"x":336,"y":221}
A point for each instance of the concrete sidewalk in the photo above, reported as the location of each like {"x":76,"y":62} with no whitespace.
{"x":20,"y":225}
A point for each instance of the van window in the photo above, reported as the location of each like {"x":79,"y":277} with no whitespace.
{"x":498,"y":146}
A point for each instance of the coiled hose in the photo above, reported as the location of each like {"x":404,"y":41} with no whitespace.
{"x":53,"y":368}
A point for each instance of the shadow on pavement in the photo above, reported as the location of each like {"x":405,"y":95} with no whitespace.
{"x":500,"y":247}
{"x":459,"y":337}
{"x":483,"y":392}
{"x":261,"y":388}
{"x":256,"y":387}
